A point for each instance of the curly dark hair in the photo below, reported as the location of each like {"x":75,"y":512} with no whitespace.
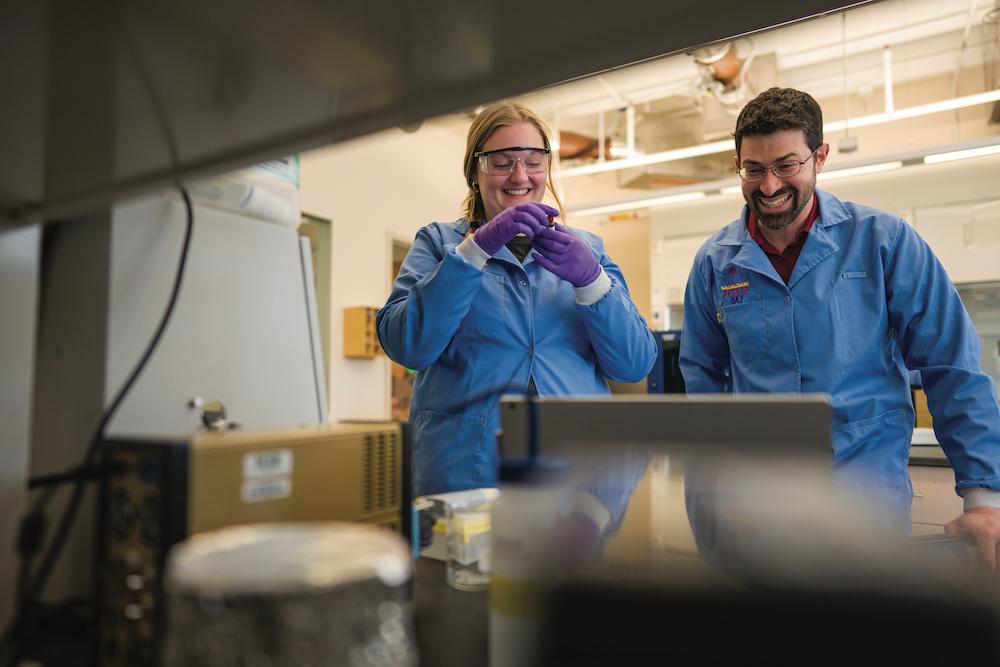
{"x":781,"y":109}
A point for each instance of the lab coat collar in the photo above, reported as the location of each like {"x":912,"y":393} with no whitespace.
{"x":818,"y":248}
{"x":504,"y":255}
{"x":736,"y":234}
{"x":749,"y":256}
{"x":831,"y":210}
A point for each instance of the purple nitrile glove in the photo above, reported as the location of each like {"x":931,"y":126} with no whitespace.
{"x":566,"y":255}
{"x":575,"y":540}
{"x":527,"y":219}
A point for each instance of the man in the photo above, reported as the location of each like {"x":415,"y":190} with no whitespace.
{"x":806,"y":293}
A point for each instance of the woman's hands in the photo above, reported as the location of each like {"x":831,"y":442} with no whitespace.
{"x":557,"y":250}
{"x":566,"y":255}
{"x":527,"y":219}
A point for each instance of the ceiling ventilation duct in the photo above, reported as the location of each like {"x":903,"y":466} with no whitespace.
{"x":707,"y":114}
{"x":724,"y":72}
{"x":704,"y":109}
{"x":578,"y":146}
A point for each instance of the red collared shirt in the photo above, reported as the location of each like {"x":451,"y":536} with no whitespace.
{"x":784,"y":262}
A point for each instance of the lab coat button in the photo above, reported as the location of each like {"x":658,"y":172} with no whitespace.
{"x":524,"y":283}
{"x":788,"y":298}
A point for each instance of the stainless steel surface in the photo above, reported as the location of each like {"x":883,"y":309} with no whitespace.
{"x":758,"y":423}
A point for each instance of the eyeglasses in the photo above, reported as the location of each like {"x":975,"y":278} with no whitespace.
{"x":503,"y":160}
{"x":783,"y":169}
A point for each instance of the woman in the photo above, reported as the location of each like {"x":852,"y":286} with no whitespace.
{"x":503,"y":301}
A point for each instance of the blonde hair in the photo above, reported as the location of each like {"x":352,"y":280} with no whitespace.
{"x":501,"y":114}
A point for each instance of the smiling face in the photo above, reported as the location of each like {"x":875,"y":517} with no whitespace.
{"x":503,"y":190}
{"x":780,"y":202}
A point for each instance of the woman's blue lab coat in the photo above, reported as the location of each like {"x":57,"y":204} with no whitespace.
{"x":473,"y":335}
{"x":867,"y":300}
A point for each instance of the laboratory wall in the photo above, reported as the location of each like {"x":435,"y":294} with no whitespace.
{"x":383,"y":188}
{"x":376,"y":190}
{"x":936,"y":199}
{"x":627,"y":242}
{"x":19,"y":262}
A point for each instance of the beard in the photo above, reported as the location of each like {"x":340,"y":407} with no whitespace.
{"x":778,"y":221}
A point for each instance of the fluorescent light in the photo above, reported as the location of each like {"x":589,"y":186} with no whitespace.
{"x":858,"y":171}
{"x":652,"y":158}
{"x":913,"y":112}
{"x":725,"y":186}
{"x":638,"y":203}
{"x":961,"y":155}
{"x":835,"y":126}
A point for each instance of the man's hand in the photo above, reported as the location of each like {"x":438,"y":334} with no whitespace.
{"x":983,"y":525}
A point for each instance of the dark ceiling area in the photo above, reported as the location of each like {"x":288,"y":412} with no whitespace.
{"x":106,"y":99}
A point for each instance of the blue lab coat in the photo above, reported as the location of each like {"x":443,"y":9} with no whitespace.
{"x":473,"y":335}
{"x":867,"y":300}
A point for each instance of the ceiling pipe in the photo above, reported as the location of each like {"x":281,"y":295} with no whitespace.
{"x":602,"y":136}
{"x":620,"y":99}
{"x":887,"y":83}
{"x":630,"y":130}
{"x":573,"y":146}
{"x":727,"y":68}
{"x":958,"y":62}
{"x":965,"y":44}
{"x":847,"y":144}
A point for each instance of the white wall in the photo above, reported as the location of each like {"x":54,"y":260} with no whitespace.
{"x":375,"y":189}
{"x":19,"y":266}
{"x":916,"y":193}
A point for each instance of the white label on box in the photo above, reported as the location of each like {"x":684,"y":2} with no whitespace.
{"x":270,"y":463}
{"x":257,"y":490}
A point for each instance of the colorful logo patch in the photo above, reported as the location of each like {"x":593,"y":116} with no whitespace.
{"x":735,"y":292}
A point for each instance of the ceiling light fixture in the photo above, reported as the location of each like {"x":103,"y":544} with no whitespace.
{"x":834,"y":174}
{"x":962,"y":155}
{"x":975,"y":148}
{"x":649,"y":202}
{"x":919,"y":110}
{"x":835,"y":126}
{"x":652,"y":158}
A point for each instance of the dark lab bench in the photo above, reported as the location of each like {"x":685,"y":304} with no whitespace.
{"x":451,"y":625}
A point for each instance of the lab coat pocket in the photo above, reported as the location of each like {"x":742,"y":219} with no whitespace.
{"x":488,"y":312}
{"x":449,"y":451}
{"x":858,"y":309}
{"x":872,"y":454}
{"x":746,"y":329}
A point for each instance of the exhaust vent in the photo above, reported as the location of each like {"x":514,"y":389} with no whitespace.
{"x":380,"y":469}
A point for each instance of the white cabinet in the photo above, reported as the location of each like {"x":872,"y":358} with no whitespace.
{"x":965,"y":237}
{"x":676,"y":257}
{"x":935,"y":502}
